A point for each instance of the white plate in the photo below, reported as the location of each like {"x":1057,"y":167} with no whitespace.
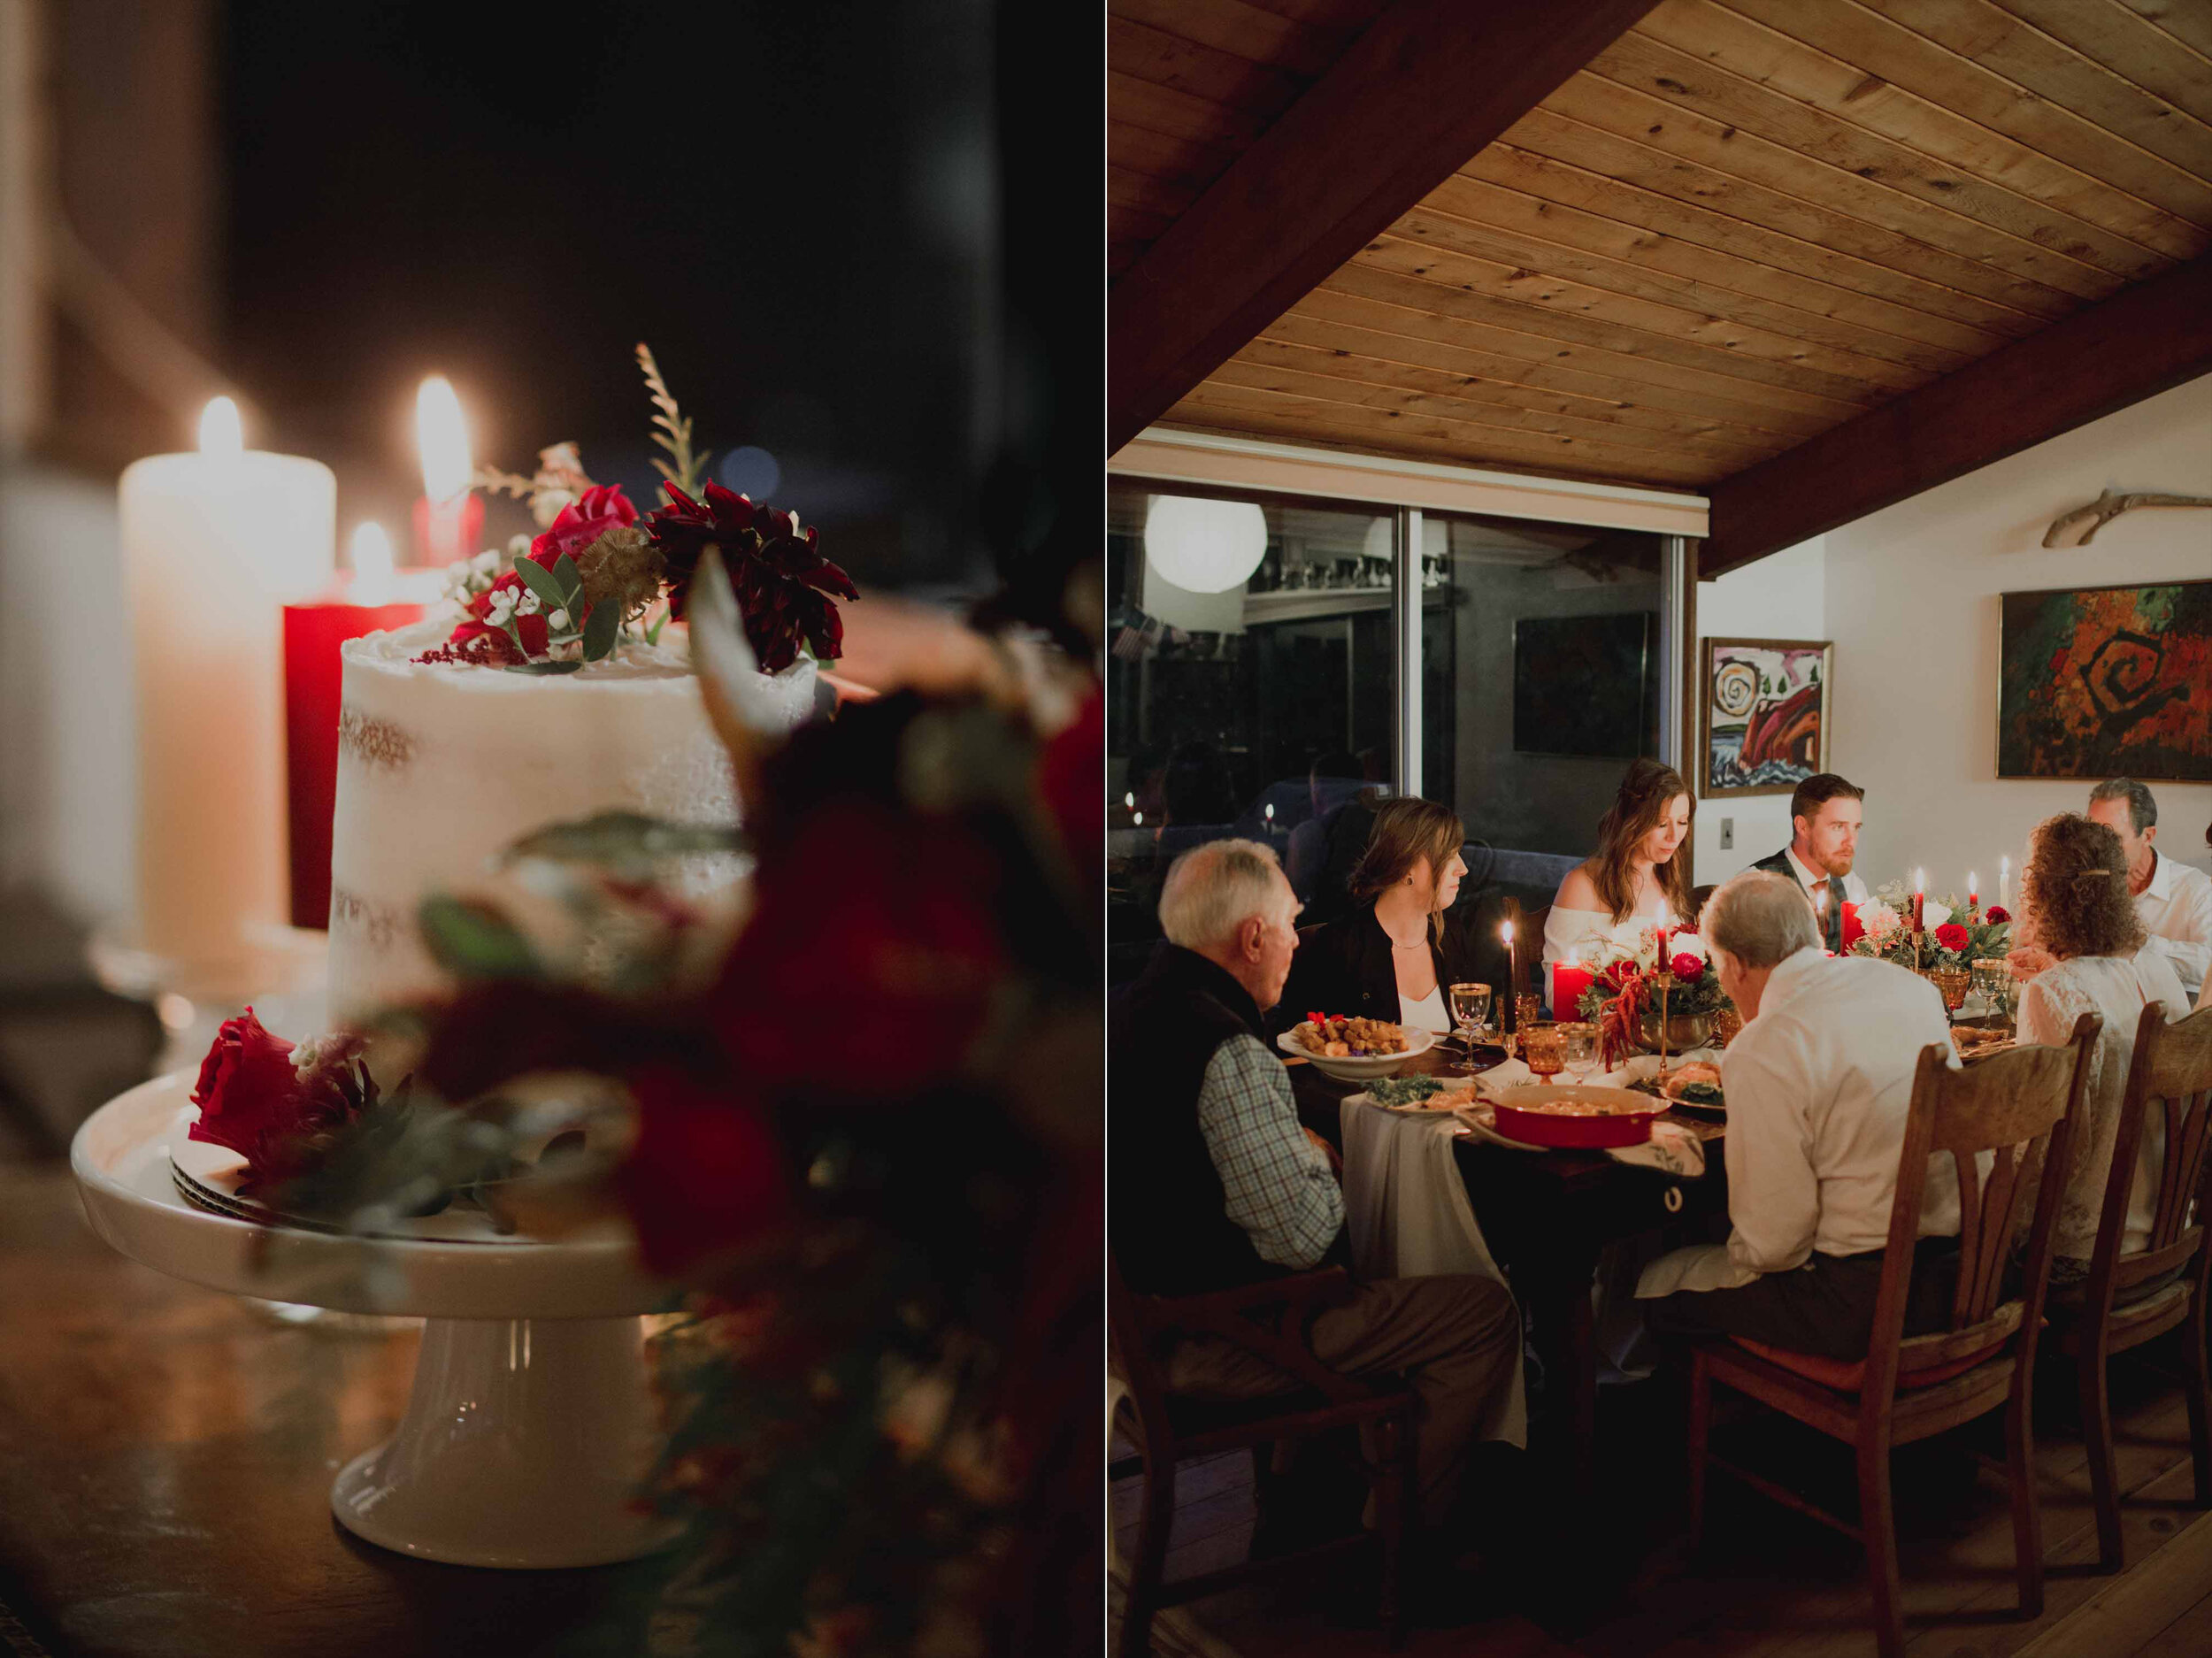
{"x":1359,"y":1067}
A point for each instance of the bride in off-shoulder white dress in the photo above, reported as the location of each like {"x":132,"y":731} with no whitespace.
{"x":1647,"y":824}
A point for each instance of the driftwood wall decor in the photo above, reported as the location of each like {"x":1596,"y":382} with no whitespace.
{"x":2109,"y":506}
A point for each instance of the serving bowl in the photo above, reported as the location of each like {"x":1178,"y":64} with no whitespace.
{"x":1520,"y":1115}
{"x":1360,"y":1067}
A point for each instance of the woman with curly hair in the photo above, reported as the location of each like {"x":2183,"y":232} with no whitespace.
{"x":1634,"y":880}
{"x":2074,"y":893}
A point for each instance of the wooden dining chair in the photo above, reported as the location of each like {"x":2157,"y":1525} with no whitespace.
{"x":2135,"y":1294}
{"x":2020,"y":1106}
{"x":1265,"y":1319}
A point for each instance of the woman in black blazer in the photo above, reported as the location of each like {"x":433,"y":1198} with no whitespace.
{"x":1396,"y":954}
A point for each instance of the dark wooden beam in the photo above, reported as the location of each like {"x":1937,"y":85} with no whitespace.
{"x":2115,"y":352}
{"x":1427,"y":84}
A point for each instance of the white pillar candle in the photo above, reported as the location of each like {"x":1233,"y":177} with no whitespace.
{"x":213,"y":545}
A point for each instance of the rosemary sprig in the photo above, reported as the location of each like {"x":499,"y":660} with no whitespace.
{"x":675,"y":430}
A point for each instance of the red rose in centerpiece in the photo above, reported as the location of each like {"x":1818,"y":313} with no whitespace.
{"x":1996,"y":913}
{"x":1688,"y":966}
{"x":1618,"y":974}
{"x":1953,"y":937}
{"x":777,"y":576}
{"x":707,"y":1174}
{"x":257,"y":1097}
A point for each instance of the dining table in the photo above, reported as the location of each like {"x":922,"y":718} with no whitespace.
{"x":1547,"y":1217}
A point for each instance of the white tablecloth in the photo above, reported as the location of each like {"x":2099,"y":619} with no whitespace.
{"x":1407,"y":1216}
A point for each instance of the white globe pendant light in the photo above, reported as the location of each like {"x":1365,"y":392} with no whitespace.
{"x":1204,"y":546}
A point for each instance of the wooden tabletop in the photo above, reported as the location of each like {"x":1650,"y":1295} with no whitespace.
{"x":165,"y":1459}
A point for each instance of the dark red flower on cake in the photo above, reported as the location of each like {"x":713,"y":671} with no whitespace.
{"x":255,"y":1097}
{"x":601,"y":508}
{"x":1688,"y":966}
{"x":1996,"y":913}
{"x":779,"y":578}
{"x":707,"y":1173}
{"x":1953,"y":937}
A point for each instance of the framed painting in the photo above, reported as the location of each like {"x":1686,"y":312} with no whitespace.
{"x":2097,"y":682}
{"x":1557,"y":660}
{"x":1763,"y":726}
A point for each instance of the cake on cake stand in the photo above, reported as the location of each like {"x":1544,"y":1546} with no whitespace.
{"x":531,"y":1423}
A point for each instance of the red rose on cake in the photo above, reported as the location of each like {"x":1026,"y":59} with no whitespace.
{"x":274,"y":1104}
{"x":1953,"y":937}
{"x":601,"y":508}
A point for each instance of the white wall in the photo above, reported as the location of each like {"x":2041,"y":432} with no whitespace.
{"x":1779,"y":597}
{"x":1911,"y":602}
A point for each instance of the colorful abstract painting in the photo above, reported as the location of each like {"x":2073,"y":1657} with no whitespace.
{"x":2095,"y":682}
{"x":1766,"y":714}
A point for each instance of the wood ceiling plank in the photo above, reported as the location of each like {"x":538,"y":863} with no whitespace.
{"x":1654,"y":218}
{"x":1633,"y":159}
{"x":1663,"y":98}
{"x":1249,"y":32}
{"x":2053,"y":248}
{"x":1123,"y":251}
{"x":1133,"y":224}
{"x":1273,"y":366}
{"x":1456,"y":216}
{"x":2028,"y":58}
{"x":1346,"y":17}
{"x":1169,"y":60}
{"x":1343,"y":323}
{"x":1842,"y":91}
{"x":2105,"y":32}
{"x":1546,"y":364}
{"x":2188,"y":21}
{"x":2153,"y":335}
{"x":1188,"y":161}
{"x":1755,"y":352}
{"x":1385,"y":431}
{"x":1164,"y":197}
{"x":1179,"y":114}
{"x":1423,"y":87}
{"x":1922,"y":67}
{"x":1546,"y":230}
{"x":1619,"y":351}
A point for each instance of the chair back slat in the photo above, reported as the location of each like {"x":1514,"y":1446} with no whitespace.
{"x":2171,"y":1074}
{"x":2019,"y":1107}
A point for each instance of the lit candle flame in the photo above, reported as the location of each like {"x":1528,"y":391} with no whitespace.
{"x":372,"y":554}
{"x":1271,"y":811}
{"x":442,"y":437}
{"x":1137,"y":818}
{"x":1130,"y":800}
{"x":1506,"y":931}
{"x":222,"y":437}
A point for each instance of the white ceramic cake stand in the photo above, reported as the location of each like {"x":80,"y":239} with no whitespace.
{"x":531,"y":1423}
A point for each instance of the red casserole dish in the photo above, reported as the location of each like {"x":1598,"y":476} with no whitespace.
{"x":1630,"y":1125}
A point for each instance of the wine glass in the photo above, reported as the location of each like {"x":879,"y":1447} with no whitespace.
{"x":1470,"y":1009}
{"x":1578,"y":1048}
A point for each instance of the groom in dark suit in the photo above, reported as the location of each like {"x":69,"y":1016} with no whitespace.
{"x":1825,"y":817}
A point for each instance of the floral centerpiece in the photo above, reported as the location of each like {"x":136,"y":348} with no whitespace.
{"x":1624,"y":999}
{"x":1954,"y":937}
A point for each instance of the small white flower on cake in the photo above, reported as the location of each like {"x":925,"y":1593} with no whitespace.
{"x":528,"y":605}
{"x":558,"y":621}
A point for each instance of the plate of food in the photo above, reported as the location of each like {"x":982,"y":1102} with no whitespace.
{"x":1353,"y":1049}
{"x":1694,"y":1087}
{"x":1417,"y":1093}
{"x":1977,"y":1041}
{"x":1579,"y":1115}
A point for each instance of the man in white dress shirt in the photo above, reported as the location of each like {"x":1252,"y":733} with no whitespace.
{"x":2174,"y":900}
{"x":1818,"y":1084}
{"x":1825,"y":815}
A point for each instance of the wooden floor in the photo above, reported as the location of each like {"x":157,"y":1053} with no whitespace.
{"x":1771,"y":1585}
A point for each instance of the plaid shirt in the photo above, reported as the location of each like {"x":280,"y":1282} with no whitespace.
{"x":1279,"y":1183}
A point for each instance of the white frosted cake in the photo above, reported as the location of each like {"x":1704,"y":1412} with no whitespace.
{"x":443,"y":765}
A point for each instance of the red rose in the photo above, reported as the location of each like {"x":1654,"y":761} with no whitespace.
{"x":1996,"y":913}
{"x":706,"y":1175}
{"x":582,"y":521}
{"x":1688,"y":966}
{"x":1953,"y":937}
{"x":253,"y":1099}
{"x":532,"y":627}
{"x":1618,"y":975}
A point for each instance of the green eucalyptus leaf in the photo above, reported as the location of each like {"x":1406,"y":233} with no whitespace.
{"x":475,"y":940}
{"x":566,"y":574}
{"x":599,"y":630}
{"x":540,"y":580}
{"x":566,"y":666}
{"x":653,"y":634}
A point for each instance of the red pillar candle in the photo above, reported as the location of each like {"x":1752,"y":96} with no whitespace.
{"x":1852,"y":931}
{"x":446,"y":531}
{"x":448,"y":518}
{"x":1569,"y":981}
{"x":313,"y":631}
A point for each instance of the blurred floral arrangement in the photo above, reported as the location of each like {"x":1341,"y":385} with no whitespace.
{"x":596,"y":570}
{"x":863,"y":1132}
{"x":1625,"y":991}
{"x":1954,"y":937}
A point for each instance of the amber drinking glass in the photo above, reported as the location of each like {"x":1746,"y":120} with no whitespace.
{"x":1544,"y":1049}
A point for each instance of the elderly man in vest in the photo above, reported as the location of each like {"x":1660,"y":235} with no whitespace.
{"x":1213,"y":1183}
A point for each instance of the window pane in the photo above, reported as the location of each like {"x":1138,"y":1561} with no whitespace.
{"x":1256,"y":709}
